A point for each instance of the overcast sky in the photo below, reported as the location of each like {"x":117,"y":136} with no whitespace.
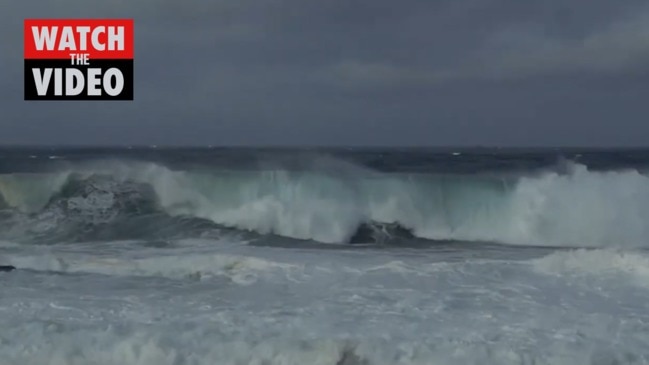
{"x":353,"y":72}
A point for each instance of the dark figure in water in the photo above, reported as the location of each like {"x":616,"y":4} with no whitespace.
{"x":7,"y":268}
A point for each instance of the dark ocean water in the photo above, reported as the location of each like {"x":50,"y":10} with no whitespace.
{"x":439,"y":160}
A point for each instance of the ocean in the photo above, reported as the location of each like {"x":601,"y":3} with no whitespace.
{"x":347,"y":256}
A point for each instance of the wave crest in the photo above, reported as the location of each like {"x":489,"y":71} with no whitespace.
{"x":575,"y":207}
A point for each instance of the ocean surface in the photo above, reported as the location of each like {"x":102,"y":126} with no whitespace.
{"x":236,"y":256}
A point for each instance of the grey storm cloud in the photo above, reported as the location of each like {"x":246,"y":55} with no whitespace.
{"x":439,"y":72}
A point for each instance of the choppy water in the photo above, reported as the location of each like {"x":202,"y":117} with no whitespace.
{"x":242,"y":256}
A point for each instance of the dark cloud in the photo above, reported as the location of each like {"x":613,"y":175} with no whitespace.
{"x":498,"y":72}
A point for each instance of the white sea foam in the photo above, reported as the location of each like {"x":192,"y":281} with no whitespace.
{"x":240,"y":269}
{"x":597,"y":263}
{"x":121,"y":303}
{"x":63,"y":346}
{"x":580,"y":208}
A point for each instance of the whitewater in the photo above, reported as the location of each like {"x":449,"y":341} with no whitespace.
{"x":341,"y":257}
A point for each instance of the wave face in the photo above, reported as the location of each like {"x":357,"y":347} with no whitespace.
{"x":574,"y":207}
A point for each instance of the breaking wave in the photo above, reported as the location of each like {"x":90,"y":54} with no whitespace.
{"x":573,"y":207}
